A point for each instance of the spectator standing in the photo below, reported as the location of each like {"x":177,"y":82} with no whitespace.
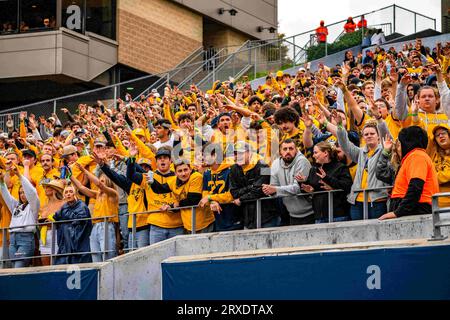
{"x":282,"y":183}
{"x":24,"y":212}
{"x":362,"y":23}
{"x":349,"y":26}
{"x":322,"y":33}
{"x":51,"y":203}
{"x":378,"y":38}
{"x":365,"y":178}
{"x":248,"y":175}
{"x":106,"y":204}
{"x":441,"y":160}
{"x":328,"y":173}
{"x":73,"y":236}
{"x":417,"y":180}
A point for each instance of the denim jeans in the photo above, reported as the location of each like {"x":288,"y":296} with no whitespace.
{"x":141,"y":240}
{"x":123,"y":221}
{"x":274,"y":222}
{"x":97,"y":241}
{"x":337,"y":219}
{"x":158,"y":234}
{"x":21,"y":245}
{"x":376,"y":210}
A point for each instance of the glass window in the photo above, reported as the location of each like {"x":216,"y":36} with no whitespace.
{"x":8,"y":16}
{"x":72,"y":15}
{"x":101,"y":17}
{"x":37,"y":15}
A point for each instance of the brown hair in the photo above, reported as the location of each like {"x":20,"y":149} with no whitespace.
{"x":325,"y":146}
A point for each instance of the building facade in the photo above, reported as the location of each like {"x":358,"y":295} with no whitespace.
{"x":50,"y":48}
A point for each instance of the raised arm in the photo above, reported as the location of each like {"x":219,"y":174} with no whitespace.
{"x":83,"y":189}
{"x":93,"y":179}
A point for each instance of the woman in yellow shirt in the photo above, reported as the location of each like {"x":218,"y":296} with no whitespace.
{"x":106,"y":205}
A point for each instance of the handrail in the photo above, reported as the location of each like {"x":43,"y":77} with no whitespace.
{"x":435,"y":212}
{"x":220,"y":66}
{"x":436,"y":220}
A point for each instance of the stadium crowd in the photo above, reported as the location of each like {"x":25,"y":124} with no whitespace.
{"x":376,"y":121}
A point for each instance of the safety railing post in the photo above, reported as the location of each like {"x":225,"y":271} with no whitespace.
{"x":293,"y":58}
{"x":4,"y":247}
{"x":415,"y":23}
{"x":53,"y":244}
{"x":254,"y":61}
{"x":437,"y":235}
{"x":365,"y":205}
{"x":133,"y":231}
{"x":54,"y":106}
{"x":106,"y":247}
{"x":193,"y":220}
{"x":393,"y":15}
{"x":330,"y":207}
{"x":326,"y":48}
{"x":115,"y":98}
{"x":258,"y":214}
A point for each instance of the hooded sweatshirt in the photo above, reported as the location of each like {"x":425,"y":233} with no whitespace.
{"x":416,"y":180}
{"x":282,"y":176}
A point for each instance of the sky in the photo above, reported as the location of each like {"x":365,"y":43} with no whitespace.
{"x":297,"y":16}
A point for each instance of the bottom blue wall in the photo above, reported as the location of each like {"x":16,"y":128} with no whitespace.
{"x":49,"y":286}
{"x":394,"y":273}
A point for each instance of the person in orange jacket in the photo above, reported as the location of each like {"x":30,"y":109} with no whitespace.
{"x":350,"y":26}
{"x":322,"y":32}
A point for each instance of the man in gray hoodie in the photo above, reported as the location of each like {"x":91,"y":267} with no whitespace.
{"x":282,"y":183}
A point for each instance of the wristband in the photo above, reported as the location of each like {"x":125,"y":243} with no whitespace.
{"x":325,"y":124}
{"x":413,"y":114}
{"x":209,"y":198}
{"x":261,"y":121}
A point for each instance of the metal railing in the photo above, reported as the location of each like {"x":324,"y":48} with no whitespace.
{"x":133,"y":232}
{"x":436,"y":214}
{"x":366,"y":198}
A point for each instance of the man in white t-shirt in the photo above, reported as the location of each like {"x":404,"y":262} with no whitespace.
{"x":165,"y":138}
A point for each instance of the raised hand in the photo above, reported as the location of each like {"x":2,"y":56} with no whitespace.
{"x":321,"y":173}
{"x":388,"y":143}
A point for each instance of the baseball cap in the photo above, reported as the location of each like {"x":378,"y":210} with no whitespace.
{"x":65,"y":133}
{"x":146,"y":161}
{"x":75,"y":141}
{"x":163,"y":152}
{"x":301,"y":69}
{"x":29,"y":153}
{"x":68,"y":150}
{"x":139,"y":132}
{"x":100,"y":143}
{"x":80,"y":131}
{"x":3,"y":135}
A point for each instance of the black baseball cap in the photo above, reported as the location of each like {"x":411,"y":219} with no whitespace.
{"x":29,"y":153}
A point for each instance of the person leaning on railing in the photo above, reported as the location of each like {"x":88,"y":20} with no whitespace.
{"x":328,"y":173}
{"x":73,"y":236}
{"x":416,"y":180}
{"x":24,"y":214}
{"x":106,"y":205}
{"x":365,"y":178}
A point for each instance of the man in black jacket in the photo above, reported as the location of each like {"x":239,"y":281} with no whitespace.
{"x":247,"y":176}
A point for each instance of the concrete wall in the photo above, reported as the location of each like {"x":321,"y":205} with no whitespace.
{"x":138,"y":275}
{"x":63,"y":52}
{"x":251,"y":14}
{"x":156,"y":35}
